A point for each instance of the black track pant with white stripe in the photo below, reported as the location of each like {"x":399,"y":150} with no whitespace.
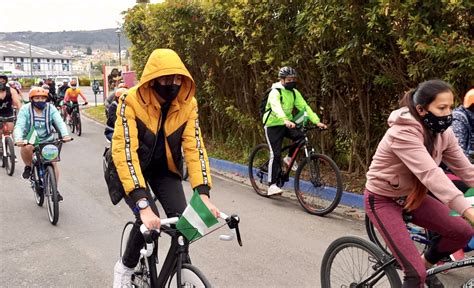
{"x":168,"y":189}
{"x":274,"y":136}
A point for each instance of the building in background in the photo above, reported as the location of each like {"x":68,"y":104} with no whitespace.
{"x":24,"y":60}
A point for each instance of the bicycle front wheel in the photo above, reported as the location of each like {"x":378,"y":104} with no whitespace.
{"x":318,"y":185}
{"x":78,"y":124}
{"x":37,"y":187}
{"x":51,"y":192}
{"x":191,"y":276}
{"x":349,"y":261}
{"x":258,"y":169}
{"x":10,"y":158}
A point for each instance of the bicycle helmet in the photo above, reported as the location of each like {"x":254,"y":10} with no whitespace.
{"x":120,"y":91}
{"x":37,"y":91}
{"x":469,"y":98}
{"x":286,"y":72}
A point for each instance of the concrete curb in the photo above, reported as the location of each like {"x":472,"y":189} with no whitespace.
{"x":348,"y":198}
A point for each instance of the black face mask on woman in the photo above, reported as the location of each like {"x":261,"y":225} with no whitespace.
{"x":167,"y":92}
{"x":437,"y":124}
{"x":290,"y":85}
{"x":3,"y":87}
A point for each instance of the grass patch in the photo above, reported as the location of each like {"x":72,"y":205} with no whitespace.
{"x":221,"y":150}
{"x":96,"y":113}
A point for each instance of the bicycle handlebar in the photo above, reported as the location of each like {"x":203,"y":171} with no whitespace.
{"x":232,"y":221}
{"x":56,"y":141}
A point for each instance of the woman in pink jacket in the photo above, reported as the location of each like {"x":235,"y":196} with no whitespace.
{"x":405,"y":167}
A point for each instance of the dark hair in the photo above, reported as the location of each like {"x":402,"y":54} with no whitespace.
{"x":425,"y":93}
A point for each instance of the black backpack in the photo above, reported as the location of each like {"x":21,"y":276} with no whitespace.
{"x":263,"y":104}
{"x":114,"y":185}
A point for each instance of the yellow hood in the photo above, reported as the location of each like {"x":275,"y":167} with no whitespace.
{"x":166,"y":62}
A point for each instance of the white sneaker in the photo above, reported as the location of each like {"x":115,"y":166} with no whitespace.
{"x":273,"y":190}
{"x":122,"y":275}
{"x":287,"y":161}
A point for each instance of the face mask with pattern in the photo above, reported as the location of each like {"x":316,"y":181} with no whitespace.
{"x":437,"y":124}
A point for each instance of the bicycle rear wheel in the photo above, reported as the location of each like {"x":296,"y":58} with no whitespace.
{"x":258,"y":169}
{"x":51,"y":192}
{"x":191,"y":276}
{"x":10,"y":158}
{"x":318,"y":185}
{"x":350,"y":260}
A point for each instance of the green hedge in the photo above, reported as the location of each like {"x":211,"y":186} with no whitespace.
{"x":354,"y":60}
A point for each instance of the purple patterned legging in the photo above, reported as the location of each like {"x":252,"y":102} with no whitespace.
{"x":386,"y":215}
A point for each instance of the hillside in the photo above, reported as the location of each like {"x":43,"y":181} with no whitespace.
{"x":105,"y":39}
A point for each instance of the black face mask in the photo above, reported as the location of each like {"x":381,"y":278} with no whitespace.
{"x":167,"y":92}
{"x":437,"y":124}
{"x":3,"y":87}
{"x":290,"y":85}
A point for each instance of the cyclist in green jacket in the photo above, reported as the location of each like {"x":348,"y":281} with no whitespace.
{"x":279,"y":122}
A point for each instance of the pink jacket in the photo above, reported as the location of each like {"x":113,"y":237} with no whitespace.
{"x":401,"y":157}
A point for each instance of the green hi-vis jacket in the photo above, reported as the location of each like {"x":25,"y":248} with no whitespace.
{"x":138,"y":123}
{"x":282,"y":104}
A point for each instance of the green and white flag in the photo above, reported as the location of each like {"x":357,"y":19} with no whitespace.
{"x":32,"y":137}
{"x":196,"y":219}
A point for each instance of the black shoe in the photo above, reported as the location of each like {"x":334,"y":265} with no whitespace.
{"x":433,"y":282}
{"x":60,"y":198}
{"x":27,"y":172}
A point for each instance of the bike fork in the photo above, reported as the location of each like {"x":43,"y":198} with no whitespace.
{"x":4,"y":146}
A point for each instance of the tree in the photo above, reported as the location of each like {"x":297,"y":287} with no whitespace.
{"x":89,"y":51}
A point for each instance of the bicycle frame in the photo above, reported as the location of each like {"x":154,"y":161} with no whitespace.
{"x":4,"y":134}
{"x":300,"y":144}
{"x":178,"y":253}
{"x":371,"y":280}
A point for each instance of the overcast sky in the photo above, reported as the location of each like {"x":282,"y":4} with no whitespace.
{"x":59,"y":15}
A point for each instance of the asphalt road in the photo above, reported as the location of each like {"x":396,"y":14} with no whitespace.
{"x":283,"y":245}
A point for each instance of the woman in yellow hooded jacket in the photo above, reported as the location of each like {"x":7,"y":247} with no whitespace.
{"x":156,"y":120}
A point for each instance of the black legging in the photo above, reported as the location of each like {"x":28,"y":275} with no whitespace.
{"x":169,"y":191}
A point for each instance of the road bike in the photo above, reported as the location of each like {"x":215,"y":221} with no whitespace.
{"x":317,"y":181}
{"x":75,"y":123}
{"x":7,"y":149}
{"x":43,"y":179}
{"x":355,"y":262}
{"x":177,"y":267}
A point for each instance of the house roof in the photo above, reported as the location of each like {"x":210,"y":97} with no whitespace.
{"x":20,"y":49}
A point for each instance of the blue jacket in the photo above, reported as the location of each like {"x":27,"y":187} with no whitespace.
{"x":463,"y":127}
{"x":43,"y":123}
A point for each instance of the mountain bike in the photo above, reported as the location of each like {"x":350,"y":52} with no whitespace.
{"x":43,"y":179}
{"x":7,"y":149}
{"x":177,"y":267}
{"x":317,"y":181}
{"x":75,"y":121}
{"x":355,"y":262}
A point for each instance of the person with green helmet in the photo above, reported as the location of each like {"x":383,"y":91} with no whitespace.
{"x":279,"y":121}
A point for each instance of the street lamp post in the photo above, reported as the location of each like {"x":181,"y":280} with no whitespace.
{"x":118,"y":31}
{"x":31,"y":62}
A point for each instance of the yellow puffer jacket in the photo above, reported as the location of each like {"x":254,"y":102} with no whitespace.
{"x":139,"y":120}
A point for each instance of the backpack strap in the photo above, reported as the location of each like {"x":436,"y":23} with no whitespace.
{"x":269,"y":110}
{"x":47,"y":118}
